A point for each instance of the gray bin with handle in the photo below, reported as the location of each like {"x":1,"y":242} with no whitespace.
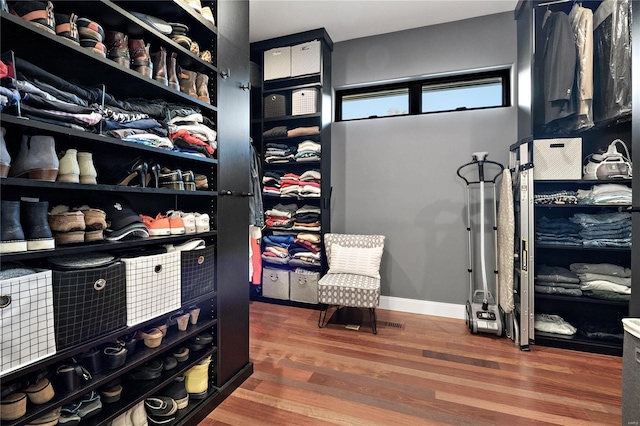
{"x":631,"y":372}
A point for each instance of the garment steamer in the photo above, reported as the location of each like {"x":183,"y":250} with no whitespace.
{"x":482,"y":312}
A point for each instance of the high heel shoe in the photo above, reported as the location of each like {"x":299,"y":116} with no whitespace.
{"x":137,"y":175}
{"x":153,"y":175}
{"x":171,"y":179}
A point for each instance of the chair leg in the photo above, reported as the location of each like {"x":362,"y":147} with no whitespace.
{"x":321,"y":319}
{"x":374,"y":322}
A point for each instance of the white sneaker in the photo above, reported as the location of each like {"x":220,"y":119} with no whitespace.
{"x":202,"y":223}
{"x":189,"y":220}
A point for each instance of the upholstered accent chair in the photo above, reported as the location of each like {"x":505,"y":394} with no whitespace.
{"x":353,"y":278}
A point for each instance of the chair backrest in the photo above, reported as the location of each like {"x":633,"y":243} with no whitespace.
{"x":351,"y":240}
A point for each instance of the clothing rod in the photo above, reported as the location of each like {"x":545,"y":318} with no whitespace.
{"x":553,"y":2}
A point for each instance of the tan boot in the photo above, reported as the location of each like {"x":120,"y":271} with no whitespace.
{"x":69,"y":169}
{"x":172,"y":71}
{"x":160,"y":66}
{"x":88,"y":172}
{"x":188,"y":82}
{"x":202,"y":87}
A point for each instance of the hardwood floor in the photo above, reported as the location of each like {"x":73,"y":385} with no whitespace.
{"x":430,"y":371}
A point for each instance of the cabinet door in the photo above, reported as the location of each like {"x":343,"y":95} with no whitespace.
{"x":234,"y":22}
{"x":233,"y":211}
{"x":634,"y":305}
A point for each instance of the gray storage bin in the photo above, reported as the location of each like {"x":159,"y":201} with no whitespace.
{"x":631,"y":372}
{"x":275,"y":283}
{"x":304,"y":286}
{"x":305,"y":58}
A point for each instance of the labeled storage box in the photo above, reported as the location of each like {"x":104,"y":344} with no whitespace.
{"x":305,"y":58}
{"x":304,"y":101}
{"x":88,"y":303}
{"x":557,"y":159}
{"x":275,"y":283}
{"x":198,"y":273}
{"x":631,"y":371}
{"x":303,"y":286}
{"x":153,"y":286}
{"x":277,"y":63}
{"x":275,"y":106}
{"x":26,"y":320}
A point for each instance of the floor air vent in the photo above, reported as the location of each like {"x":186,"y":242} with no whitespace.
{"x":391,"y":324}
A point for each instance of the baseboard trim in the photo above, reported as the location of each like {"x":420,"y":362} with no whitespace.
{"x":425,"y":307}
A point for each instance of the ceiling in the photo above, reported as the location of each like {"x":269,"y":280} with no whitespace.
{"x":349,"y":19}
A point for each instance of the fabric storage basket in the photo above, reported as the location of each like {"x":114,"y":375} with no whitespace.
{"x":275,"y":106}
{"x":198,"y":273}
{"x":26,"y":320}
{"x":275,"y":283}
{"x":304,"y":101}
{"x":88,"y":303}
{"x":153,"y":286}
{"x":277,"y":63}
{"x":557,"y":159}
{"x":305,"y":58}
{"x":303,"y":286}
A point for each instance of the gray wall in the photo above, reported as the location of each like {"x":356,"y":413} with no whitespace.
{"x":397,"y":176}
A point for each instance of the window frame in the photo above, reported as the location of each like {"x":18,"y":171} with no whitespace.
{"x":415,"y":89}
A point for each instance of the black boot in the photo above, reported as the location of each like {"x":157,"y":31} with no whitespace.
{"x":11,"y":233}
{"x":33,"y":216}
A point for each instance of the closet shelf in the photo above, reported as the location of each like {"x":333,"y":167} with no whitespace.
{"x":292,"y":87}
{"x":289,"y":118}
{"x":581,"y":299}
{"x":540,"y":246}
{"x":578,"y":343}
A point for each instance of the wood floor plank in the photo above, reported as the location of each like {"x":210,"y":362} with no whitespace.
{"x":429,"y":371}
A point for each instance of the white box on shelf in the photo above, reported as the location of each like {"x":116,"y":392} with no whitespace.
{"x":277,"y":63}
{"x":153,"y":286}
{"x":275,"y":283}
{"x":26,"y":320}
{"x":557,"y":159}
{"x":304,"y":101}
{"x":305,"y":58}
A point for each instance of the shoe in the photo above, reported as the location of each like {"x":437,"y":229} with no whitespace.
{"x":172,"y":71}
{"x":152,"y":337}
{"x":11,"y":233}
{"x":110,"y":394}
{"x":189,"y":180}
{"x":94,"y":46}
{"x":171,"y":179}
{"x":195,"y":48}
{"x":183,"y":322}
{"x":197,"y":379}
{"x":13,"y":406}
{"x":182,"y":40}
{"x":114,"y":356}
{"x":148,"y":371}
{"x":140,"y":57}
{"x":169,"y":363}
{"x":68,"y":169}
{"x":208,"y":15}
{"x":153,"y":175}
{"x":202,"y":183}
{"x":202,"y":223}
{"x":67,"y":28}
{"x":188,"y":220}
{"x":117,"y":45}
{"x":112,"y":171}
{"x":95,"y":221}
{"x":194,"y":313}
{"x":36,"y":159}
{"x":202,"y":87}
{"x":88,"y":173}
{"x":33,"y":217}
{"x":135,"y":416}
{"x":5,"y":158}
{"x":205,"y":55}
{"x":41,"y":392}
{"x":90,"y":30}
{"x":188,"y":82}
{"x":181,"y":354}
{"x":200,"y":341}
{"x":51,"y":418}
{"x":195,"y":5}
{"x":176,"y":224}
{"x":158,"y":226}
{"x":160,"y":66}
{"x":39,"y":13}
{"x":68,"y":226}
{"x":88,"y":406}
{"x":160,"y":409}
{"x":177,"y":391}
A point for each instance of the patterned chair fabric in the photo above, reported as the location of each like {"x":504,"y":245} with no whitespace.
{"x":350,"y":289}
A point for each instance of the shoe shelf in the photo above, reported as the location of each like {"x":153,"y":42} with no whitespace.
{"x":105,"y":246}
{"x":95,"y":142}
{"x":132,"y":391}
{"x":142,"y":355}
{"x":96,"y":70}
